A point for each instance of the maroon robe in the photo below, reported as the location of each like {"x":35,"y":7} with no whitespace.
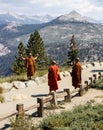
{"x":30,"y":66}
{"x":76,"y":74}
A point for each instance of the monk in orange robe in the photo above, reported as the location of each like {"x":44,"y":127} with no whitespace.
{"x":76,"y":74}
{"x":53,"y":77}
{"x":30,"y":65}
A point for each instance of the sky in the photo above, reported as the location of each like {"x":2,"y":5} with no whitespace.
{"x":90,"y":8}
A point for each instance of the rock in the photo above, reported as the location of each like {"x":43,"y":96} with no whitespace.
{"x":96,"y":64}
{"x":65,"y":73}
{"x":18,"y":84}
{"x":40,"y":80}
{"x":30,"y":83}
{"x":6,"y":86}
{"x":84,"y":67}
{"x":101,"y":63}
{"x":89,"y":65}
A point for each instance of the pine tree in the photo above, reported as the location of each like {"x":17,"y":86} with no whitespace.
{"x":18,"y":65}
{"x":36,"y":46}
{"x":73,"y":51}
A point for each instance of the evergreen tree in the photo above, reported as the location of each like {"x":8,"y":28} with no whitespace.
{"x":18,"y":65}
{"x":73,"y":51}
{"x":36,"y":46}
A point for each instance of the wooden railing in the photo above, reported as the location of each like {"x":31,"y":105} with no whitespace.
{"x":53,"y":98}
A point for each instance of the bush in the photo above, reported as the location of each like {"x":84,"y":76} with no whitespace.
{"x":86,"y":117}
{"x":22,"y":123}
{"x":98,"y":84}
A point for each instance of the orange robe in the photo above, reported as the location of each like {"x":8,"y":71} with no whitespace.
{"x":30,"y":65}
{"x":76,"y":75}
{"x":53,"y":77}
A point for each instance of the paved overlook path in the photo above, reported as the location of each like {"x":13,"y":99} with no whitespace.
{"x":32,"y":93}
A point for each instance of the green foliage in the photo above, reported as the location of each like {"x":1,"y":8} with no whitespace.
{"x":73,"y":51}
{"x":18,"y":66}
{"x":86,"y":117}
{"x":98,"y":84}
{"x":72,"y":55}
{"x":36,"y":46}
{"x":22,"y":123}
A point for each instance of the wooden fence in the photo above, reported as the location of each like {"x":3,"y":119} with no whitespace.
{"x":53,"y":98}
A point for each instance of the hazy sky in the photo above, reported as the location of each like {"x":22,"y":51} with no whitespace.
{"x":90,"y":8}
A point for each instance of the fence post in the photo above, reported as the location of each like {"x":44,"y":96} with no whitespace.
{"x":87,"y":86}
{"x":20,"y":109}
{"x":54,"y":99}
{"x":99,"y":77}
{"x":68,"y":97}
{"x":95,"y":77}
{"x":40,"y":108}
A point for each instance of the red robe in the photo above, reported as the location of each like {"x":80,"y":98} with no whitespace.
{"x":76,"y":75}
{"x":53,"y":77}
{"x":30,"y":66}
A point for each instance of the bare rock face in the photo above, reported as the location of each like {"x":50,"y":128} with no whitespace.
{"x":3,"y":50}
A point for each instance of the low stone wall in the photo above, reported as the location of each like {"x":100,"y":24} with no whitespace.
{"x":6,"y":86}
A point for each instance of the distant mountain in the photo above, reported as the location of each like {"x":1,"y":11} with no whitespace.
{"x":74,"y":16}
{"x":22,"y":19}
{"x":56,"y":35}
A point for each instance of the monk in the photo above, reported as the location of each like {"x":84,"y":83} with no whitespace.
{"x":30,"y":65}
{"x":76,"y":74}
{"x":53,"y":77}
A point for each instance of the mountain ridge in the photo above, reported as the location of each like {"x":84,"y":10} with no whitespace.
{"x":37,"y":19}
{"x":56,"y":35}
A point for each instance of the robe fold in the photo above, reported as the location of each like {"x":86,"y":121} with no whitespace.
{"x":30,"y":65}
{"x":53,"y":77}
{"x":76,"y":75}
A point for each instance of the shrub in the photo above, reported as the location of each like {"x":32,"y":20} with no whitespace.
{"x":98,"y":84}
{"x":86,"y":117}
{"x":22,"y":123}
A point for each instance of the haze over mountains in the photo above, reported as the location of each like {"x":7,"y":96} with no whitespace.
{"x":22,"y":19}
{"x":36,"y":19}
{"x":56,"y":34}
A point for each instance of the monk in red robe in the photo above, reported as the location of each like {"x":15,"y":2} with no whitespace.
{"x":30,"y":65}
{"x":76,"y":74}
{"x":53,"y":77}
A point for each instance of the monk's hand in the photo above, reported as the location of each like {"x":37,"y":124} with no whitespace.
{"x":37,"y":54}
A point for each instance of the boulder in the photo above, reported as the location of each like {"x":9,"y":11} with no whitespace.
{"x":40,"y":80}
{"x":84,"y":67}
{"x":89,"y":65}
{"x":65,"y":73}
{"x":18,"y":84}
{"x":96,"y":64}
{"x":30,"y":83}
{"x":6,"y":86}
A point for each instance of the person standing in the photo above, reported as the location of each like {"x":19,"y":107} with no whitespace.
{"x":53,"y":76}
{"x":76,"y":74}
{"x":30,"y":65}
